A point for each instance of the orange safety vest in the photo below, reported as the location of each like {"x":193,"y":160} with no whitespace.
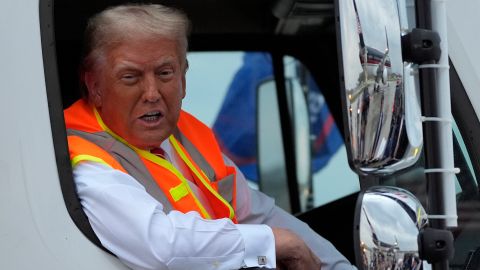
{"x":89,"y":139}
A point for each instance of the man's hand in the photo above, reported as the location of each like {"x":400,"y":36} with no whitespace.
{"x":292,"y":252}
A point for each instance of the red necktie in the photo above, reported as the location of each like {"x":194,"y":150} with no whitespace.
{"x":158,"y":152}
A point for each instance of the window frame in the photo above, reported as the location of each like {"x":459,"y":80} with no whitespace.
{"x":306,"y":48}
{"x":57,"y":122}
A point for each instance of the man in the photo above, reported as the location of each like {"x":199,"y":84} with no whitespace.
{"x":151,"y":178}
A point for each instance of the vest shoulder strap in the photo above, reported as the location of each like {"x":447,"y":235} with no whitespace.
{"x":83,"y":150}
{"x":195,"y":133}
{"x":80,"y":116}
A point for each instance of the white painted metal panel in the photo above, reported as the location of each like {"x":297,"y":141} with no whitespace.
{"x":463,"y":22}
{"x":36,"y":231}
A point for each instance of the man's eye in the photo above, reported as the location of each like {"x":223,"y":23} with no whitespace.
{"x":129,"y":78}
{"x":165,"y":73}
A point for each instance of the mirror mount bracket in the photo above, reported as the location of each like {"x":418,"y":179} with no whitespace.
{"x":421,"y":45}
{"x":435,"y":245}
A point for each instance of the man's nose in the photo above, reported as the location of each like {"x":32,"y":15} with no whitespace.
{"x":152,"y":90}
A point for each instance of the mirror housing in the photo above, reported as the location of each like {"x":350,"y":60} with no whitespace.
{"x":388,"y":221}
{"x":381,"y":108}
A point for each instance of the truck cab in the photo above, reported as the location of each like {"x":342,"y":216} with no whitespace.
{"x":274,"y":69}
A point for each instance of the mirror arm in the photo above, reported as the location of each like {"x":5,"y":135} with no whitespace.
{"x":436,"y":186}
{"x":368,"y":181}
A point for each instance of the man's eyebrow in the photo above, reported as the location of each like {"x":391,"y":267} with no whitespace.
{"x":125,"y":65}
{"x":165,"y":61}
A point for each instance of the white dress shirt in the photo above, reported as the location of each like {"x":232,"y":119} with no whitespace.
{"x":132,"y":224}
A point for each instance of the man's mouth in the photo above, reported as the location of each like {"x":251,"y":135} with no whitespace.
{"x":151,"y":116}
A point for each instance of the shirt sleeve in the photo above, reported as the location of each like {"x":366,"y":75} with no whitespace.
{"x":254,"y":207}
{"x":133,"y":226}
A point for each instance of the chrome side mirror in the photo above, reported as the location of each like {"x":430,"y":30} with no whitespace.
{"x":381,"y":111}
{"x":387,"y":224}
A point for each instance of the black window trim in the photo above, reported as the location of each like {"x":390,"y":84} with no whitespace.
{"x":57,"y":123}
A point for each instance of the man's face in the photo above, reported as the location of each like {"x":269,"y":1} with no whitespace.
{"x":138,"y":90}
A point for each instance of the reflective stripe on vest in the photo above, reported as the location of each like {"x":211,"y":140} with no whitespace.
{"x":217,"y":182}
{"x":93,"y":155}
{"x":129,"y":161}
{"x":203,"y":182}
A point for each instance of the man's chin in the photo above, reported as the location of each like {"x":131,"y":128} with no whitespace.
{"x":148,"y":139}
{"x":148,"y":143}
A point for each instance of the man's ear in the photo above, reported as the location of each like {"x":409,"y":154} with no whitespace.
{"x":184,"y":86}
{"x":184,"y":81}
{"x":94,"y":93}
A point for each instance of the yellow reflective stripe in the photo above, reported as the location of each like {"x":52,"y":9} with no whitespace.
{"x":77,"y":159}
{"x":109,"y":131}
{"x":160,"y":161}
{"x":200,"y":175}
{"x":179,"y":192}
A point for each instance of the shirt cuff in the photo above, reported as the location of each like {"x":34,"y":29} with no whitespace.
{"x":259,"y":245}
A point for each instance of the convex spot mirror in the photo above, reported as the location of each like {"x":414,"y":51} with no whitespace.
{"x":381,"y":109}
{"x":387,"y":224}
